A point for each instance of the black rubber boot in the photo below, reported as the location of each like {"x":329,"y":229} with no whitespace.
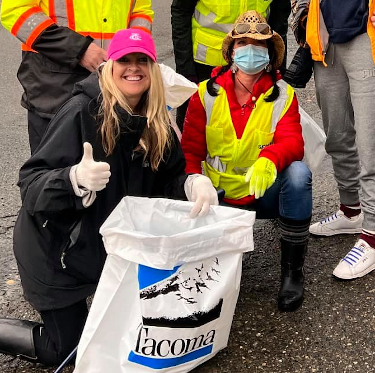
{"x":292,"y":275}
{"x":16,"y":338}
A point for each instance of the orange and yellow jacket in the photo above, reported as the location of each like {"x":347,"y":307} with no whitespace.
{"x":317,"y":34}
{"x":55,"y":35}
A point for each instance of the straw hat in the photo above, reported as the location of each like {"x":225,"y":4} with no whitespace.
{"x":248,"y":22}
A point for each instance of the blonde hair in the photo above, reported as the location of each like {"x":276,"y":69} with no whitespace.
{"x":156,"y":137}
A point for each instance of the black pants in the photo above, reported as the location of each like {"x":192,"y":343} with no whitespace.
{"x":203,"y":73}
{"x":36,"y":126}
{"x":60,"y":334}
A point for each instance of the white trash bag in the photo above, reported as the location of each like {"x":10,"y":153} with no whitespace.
{"x":178,"y":89}
{"x":169,"y":287}
{"x":315,"y":140}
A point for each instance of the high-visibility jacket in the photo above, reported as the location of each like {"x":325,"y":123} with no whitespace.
{"x":212,"y":20}
{"x":100,"y":19}
{"x":317,"y":34}
{"x":228,"y":158}
{"x":60,"y":31}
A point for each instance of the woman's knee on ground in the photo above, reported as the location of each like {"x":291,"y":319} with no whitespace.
{"x":298,"y":176}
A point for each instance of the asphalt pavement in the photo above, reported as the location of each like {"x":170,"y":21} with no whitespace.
{"x":333,"y":331}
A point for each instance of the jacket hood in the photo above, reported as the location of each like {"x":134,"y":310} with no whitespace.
{"x":89,"y":86}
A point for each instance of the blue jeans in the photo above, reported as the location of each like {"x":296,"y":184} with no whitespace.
{"x":289,"y":197}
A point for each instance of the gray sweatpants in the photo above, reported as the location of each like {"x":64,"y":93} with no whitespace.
{"x":346,"y":95}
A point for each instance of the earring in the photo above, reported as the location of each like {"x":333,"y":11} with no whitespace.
{"x":268,"y":68}
{"x":234,"y":68}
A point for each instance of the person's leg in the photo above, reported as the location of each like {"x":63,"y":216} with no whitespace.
{"x":361,"y":74}
{"x":295,"y":216}
{"x":289,"y":196}
{"x":333,"y":95}
{"x":60,"y":333}
{"x":293,"y":189}
{"x":334,"y":98}
{"x":48,"y":343}
{"x":36,"y":127}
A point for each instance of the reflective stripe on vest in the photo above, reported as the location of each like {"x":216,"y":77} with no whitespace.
{"x":228,"y":158}
{"x":101,"y":40}
{"x":61,"y":14}
{"x":209,"y":22}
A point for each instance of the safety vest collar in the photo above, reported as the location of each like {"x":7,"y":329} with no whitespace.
{"x":278,"y":104}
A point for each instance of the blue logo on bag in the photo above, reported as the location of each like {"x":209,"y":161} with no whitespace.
{"x":165,"y":340}
{"x":148,"y":276}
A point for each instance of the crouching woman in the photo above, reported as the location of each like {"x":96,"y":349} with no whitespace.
{"x":243,"y":129}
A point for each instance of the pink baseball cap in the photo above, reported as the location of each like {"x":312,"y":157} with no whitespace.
{"x":131,"y":40}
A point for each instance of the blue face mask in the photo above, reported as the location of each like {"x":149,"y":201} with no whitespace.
{"x":251,"y":59}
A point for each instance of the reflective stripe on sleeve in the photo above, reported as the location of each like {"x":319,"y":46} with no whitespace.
{"x":141,"y":21}
{"x":30,"y":25}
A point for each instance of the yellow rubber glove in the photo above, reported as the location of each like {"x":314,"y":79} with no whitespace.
{"x":261,"y":175}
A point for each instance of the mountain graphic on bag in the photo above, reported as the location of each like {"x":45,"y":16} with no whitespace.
{"x":167,"y":295}
{"x":182,"y":289}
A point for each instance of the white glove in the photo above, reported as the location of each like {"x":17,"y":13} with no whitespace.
{"x":92,"y":175}
{"x":199,"y":189}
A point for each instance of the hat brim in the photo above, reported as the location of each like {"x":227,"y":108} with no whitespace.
{"x":124,"y":51}
{"x":275,"y":38}
{"x":252,"y":35}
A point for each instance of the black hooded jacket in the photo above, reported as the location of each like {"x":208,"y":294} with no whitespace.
{"x":59,"y":251}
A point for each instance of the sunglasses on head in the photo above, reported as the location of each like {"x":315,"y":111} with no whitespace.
{"x":246,"y":28}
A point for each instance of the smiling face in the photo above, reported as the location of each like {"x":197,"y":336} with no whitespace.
{"x":132,"y":76}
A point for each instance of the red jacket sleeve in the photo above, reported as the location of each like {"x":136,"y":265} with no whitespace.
{"x":193,"y":139}
{"x":287,"y":142}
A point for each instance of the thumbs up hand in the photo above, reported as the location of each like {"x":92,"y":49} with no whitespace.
{"x":92,"y":175}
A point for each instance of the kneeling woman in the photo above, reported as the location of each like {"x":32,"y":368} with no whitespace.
{"x":242,"y":129}
{"x":112,"y":139}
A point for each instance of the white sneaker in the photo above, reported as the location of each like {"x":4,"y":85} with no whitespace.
{"x":359,"y":261}
{"x":337,"y":223}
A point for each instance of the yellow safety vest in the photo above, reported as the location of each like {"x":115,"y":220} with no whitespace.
{"x":212,"y":20}
{"x":229,"y":158}
{"x":99,"y":19}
